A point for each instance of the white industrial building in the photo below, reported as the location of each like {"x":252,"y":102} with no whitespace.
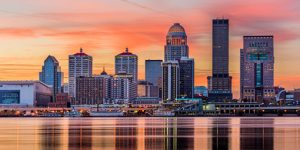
{"x":24,"y":93}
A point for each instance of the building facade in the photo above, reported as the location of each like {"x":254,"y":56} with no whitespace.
{"x":132,"y":85}
{"x":170,"y":82}
{"x":89,"y":90}
{"x":31,"y":93}
{"x":153,"y":71}
{"x":80,"y":64}
{"x":257,"y":69}
{"x":127,"y":62}
{"x":219,"y":84}
{"x":201,"y":91}
{"x":186,"y":82}
{"x":147,"y":89}
{"x":126,"y":66}
{"x":176,"y":43}
{"x":51,"y":75}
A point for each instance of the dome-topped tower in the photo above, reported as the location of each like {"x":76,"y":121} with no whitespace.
{"x":176,"y":43}
{"x":176,"y":29}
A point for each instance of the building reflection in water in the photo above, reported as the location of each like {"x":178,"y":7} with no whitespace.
{"x":154,"y":131}
{"x":202,"y":136}
{"x":256,"y":133}
{"x":103,"y":133}
{"x":126,"y":134}
{"x":150,"y":133}
{"x":50,"y":134}
{"x":286,"y":136}
{"x":220,"y":133}
{"x":80,"y":134}
{"x":185,"y":133}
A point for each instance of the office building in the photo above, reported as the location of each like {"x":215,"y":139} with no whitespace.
{"x":153,"y":71}
{"x":147,"y":89}
{"x":257,"y":69}
{"x":186,"y":83}
{"x":176,"y":43}
{"x":132,"y":85}
{"x":127,"y":62}
{"x":170,"y":82}
{"x":219,"y":84}
{"x":89,"y":90}
{"x":52,"y":75}
{"x":62,"y":101}
{"x":80,"y":64}
{"x":29,"y":93}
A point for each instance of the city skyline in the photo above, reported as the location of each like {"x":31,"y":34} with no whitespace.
{"x":103,"y":33}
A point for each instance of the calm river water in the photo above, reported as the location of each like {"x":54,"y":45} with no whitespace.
{"x":149,"y":133}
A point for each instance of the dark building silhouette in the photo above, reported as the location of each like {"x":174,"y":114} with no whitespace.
{"x":219,"y":84}
{"x":186,"y":82}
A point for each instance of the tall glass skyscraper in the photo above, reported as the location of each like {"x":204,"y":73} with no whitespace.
{"x":176,"y":43}
{"x":153,"y":71}
{"x":186,"y":83}
{"x":257,"y":69}
{"x":80,"y":64}
{"x":52,"y":75}
{"x":219,"y":84}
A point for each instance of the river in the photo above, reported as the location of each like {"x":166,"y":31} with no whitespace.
{"x":150,"y":133}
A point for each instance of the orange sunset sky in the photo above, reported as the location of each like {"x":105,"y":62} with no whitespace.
{"x":30,"y":30}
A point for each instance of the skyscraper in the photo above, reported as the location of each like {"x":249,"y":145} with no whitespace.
{"x":186,"y":83}
{"x":80,"y":64}
{"x":153,"y":71}
{"x":153,"y":74}
{"x":171,"y":75}
{"x":176,"y":43}
{"x":257,"y":69}
{"x":52,"y":75}
{"x":127,"y":62}
{"x":219,"y":84}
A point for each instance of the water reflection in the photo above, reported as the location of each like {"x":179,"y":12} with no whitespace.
{"x":260,"y":137}
{"x":149,"y":133}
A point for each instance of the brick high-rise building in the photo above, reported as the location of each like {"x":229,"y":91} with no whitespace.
{"x":89,"y":90}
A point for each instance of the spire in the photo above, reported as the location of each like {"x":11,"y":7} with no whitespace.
{"x":103,"y":71}
{"x":126,"y":50}
{"x":81,"y":50}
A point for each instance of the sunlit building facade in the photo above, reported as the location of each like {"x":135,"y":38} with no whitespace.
{"x":51,"y":75}
{"x":176,"y":43}
{"x":89,"y":90}
{"x":80,"y":64}
{"x":126,"y":62}
{"x":29,"y":93}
